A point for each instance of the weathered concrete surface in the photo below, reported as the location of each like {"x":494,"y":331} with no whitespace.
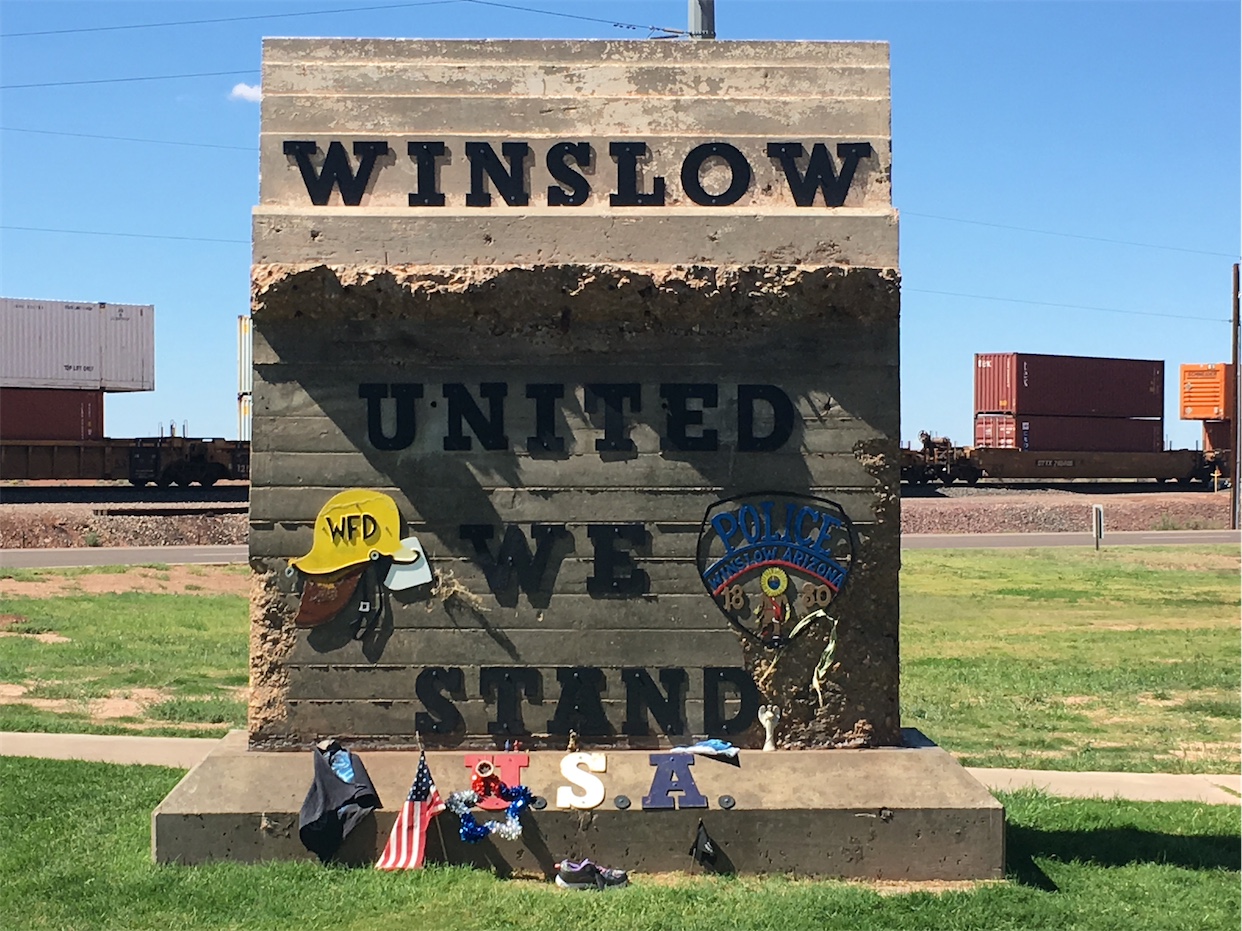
{"x":895,"y":813}
{"x":366,"y":289}
{"x":448,"y":324}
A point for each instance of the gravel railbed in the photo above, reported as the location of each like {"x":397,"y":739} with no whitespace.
{"x":951,"y":510}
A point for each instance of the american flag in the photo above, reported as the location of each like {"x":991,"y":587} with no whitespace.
{"x":408,"y":840}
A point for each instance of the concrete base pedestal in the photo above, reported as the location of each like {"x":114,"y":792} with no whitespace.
{"x":901,"y":813}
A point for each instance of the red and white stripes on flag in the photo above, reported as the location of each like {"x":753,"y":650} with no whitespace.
{"x":408,"y":840}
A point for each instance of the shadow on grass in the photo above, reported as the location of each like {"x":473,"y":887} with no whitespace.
{"x":1113,"y":847}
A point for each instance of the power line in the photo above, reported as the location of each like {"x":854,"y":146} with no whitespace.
{"x":197,"y":145}
{"x":1107,"y":310}
{"x":43,"y":229}
{"x":223,"y":19}
{"x":616,"y":24}
{"x":153,"y":77}
{"x":977,"y":297}
{"x":1026,"y":229}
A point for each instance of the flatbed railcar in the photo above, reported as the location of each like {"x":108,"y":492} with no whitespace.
{"x":940,"y":461}
{"x":168,"y":460}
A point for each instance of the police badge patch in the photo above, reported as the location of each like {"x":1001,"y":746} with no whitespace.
{"x":770,"y":559}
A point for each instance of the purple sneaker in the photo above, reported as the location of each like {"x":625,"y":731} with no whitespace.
{"x":586,"y":875}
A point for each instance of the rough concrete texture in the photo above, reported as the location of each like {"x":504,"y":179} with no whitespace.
{"x":900,"y":813}
{"x":404,"y":323}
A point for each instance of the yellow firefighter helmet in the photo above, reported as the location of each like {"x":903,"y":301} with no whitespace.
{"x":351,"y":528}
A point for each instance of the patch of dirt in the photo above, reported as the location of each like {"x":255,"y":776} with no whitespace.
{"x":130,"y":703}
{"x":931,"y":886}
{"x":175,"y":580}
{"x":12,"y":620}
{"x":1078,"y":699}
{"x":881,"y":886}
{"x":1203,"y":750}
{"x":1160,"y":702}
{"x":47,"y":636}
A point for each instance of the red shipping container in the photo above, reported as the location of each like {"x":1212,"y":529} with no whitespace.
{"x":50,"y":414}
{"x":1069,"y":434}
{"x":1068,"y":386}
{"x":1217,"y":435}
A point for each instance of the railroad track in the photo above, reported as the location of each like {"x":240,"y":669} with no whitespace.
{"x":181,"y":500}
{"x":234,"y":497}
{"x":1077,"y":487}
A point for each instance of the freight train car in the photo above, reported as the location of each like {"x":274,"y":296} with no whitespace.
{"x":168,"y":460}
{"x":940,"y":461}
{"x":1058,"y":418}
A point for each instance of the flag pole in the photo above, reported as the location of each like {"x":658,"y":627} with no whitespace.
{"x":439,"y":830}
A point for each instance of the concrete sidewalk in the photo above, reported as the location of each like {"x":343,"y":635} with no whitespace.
{"x":181,"y":752}
{"x":184,"y":752}
{"x":1135,"y":787}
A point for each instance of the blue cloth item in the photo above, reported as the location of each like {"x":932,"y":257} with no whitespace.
{"x":715,"y":748}
{"x":342,"y":765}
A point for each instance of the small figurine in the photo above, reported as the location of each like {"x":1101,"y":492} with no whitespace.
{"x":571,"y":745}
{"x":769,"y":715}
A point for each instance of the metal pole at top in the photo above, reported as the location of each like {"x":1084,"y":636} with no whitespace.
{"x":702,"y":19}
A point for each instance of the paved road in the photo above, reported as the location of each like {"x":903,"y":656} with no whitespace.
{"x":175,"y":555}
{"x":119,"y":556}
{"x":948,"y":541}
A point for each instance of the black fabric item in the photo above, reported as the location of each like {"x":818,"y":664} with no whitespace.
{"x":333,"y":807}
{"x":373,"y":598}
{"x":703,"y":849}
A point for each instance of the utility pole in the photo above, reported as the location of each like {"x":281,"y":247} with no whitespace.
{"x":1236,"y":387}
{"x":703,"y":19}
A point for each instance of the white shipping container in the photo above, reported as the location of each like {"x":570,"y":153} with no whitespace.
{"x":53,"y":344}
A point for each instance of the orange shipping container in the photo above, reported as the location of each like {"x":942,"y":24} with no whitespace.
{"x":1206,"y":392}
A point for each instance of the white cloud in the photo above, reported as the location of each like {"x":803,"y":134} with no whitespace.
{"x":249,"y":92}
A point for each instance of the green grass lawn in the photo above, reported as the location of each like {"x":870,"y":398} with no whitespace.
{"x":1126,"y":659}
{"x":76,"y":855}
{"x":192,"y":650}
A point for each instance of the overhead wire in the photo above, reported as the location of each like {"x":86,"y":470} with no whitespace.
{"x":221,"y":19}
{"x":197,"y":145}
{"x":130,"y":80}
{"x":616,"y":24}
{"x":904,"y":213}
{"x":46,"y":229}
{"x":1027,"y":229}
{"x":977,"y":297}
{"x":510,"y":6}
{"x":1106,"y":310}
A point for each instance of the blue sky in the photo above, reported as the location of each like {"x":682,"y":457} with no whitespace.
{"x":1034,"y":145}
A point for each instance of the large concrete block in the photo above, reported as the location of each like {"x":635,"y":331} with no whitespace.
{"x":899,"y":813}
{"x":579,"y":292}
